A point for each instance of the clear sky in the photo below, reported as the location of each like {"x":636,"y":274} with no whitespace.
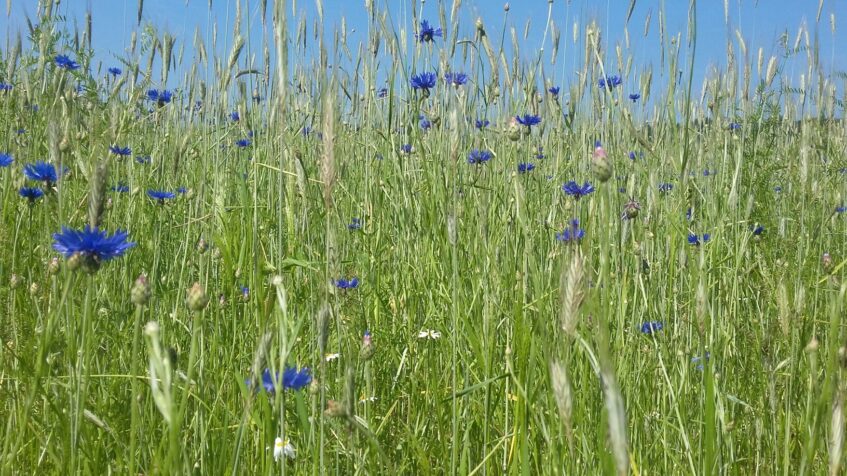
{"x":761,"y":23}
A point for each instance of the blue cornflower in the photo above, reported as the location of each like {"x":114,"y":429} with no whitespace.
{"x":181,"y":190}
{"x":427,"y":32}
{"x":355,"y":224}
{"x":632,"y":155}
{"x":159,"y":195}
{"x":42,"y":172}
{"x":121,"y":188}
{"x":143,"y":159}
{"x":424,"y":81}
{"x":291,"y":378}
{"x":571,"y":234}
{"x":5,"y":87}
{"x":554,"y":91}
{"x":841,"y":209}
{"x":30,"y":193}
{"x":576,"y":191}
{"x":634,"y":97}
{"x":162,"y":97}
{"x":699,"y":360}
{"x":777,"y":189}
{"x":478,"y":157}
{"x":528,"y":120}
{"x":305,"y":131}
{"x":525,"y":167}
{"x":610,"y":82}
{"x":481,"y":123}
{"x":64,"y":62}
{"x":33,"y":107}
{"x":382,"y":92}
{"x":94,"y":245}
{"x":734,"y":126}
{"x":406,"y":148}
{"x":694,"y":239}
{"x":651,"y":327}
{"x":424,"y":122}
{"x":539,"y":152}
{"x":757,"y":230}
{"x":347,"y":284}
{"x":115,"y":71}
{"x":456,"y":79}
{"x":243,"y":143}
{"x":120,"y":151}
{"x":6,"y":159}
{"x":665,"y":187}
{"x":20,"y":131}
{"x":707,"y":172}
{"x":689,"y":214}
{"x":245,"y":293}
{"x":234,"y":117}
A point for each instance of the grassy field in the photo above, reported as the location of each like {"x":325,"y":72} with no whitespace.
{"x":336,"y":270}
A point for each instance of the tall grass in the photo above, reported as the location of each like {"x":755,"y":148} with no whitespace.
{"x":495,"y":347}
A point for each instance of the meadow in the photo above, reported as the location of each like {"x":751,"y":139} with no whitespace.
{"x":426,"y":253}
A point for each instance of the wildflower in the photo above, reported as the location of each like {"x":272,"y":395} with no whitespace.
{"x":406,"y":148}
{"x":5,"y":87}
{"x":481,"y":123}
{"x":757,"y":230}
{"x":64,"y":62}
{"x":120,"y":151}
{"x":610,"y":82}
{"x":347,"y":284}
{"x":143,"y":159}
{"x":841,"y":209}
{"x":30,"y":193}
{"x":630,"y":210}
{"x":331,"y":357}
{"x":576,"y":191}
{"x":291,"y":378}
{"x":355,"y":224}
{"x":160,"y":195}
{"x":651,"y":327}
{"x":196,"y":298}
{"x":424,"y":81}
{"x":456,"y":79}
{"x":234,"y":117}
{"x":665,"y":187}
{"x":42,"y":172}
{"x":734,"y":126}
{"x":305,"y":131}
{"x":539,"y":153}
{"x":20,"y":131}
{"x":708,"y":172}
{"x":283,"y":448}
{"x":181,"y":190}
{"x":382,"y":92}
{"x":160,"y":97}
{"x":525,"y":167}
{"x":479,"y":157}
{"x":5,"y":159}
{"x":826,"y":262}
{"x":694,"y":239}
{"x":699,"y":360}
{"x":120,"y":188}
{"x":424,"y":123}
{"x":367,"y":350}
{"x":634,"y":97}
{"x":632,"y":155}
{"x":245,"y":293}
{"x":528,"y":120}
{"x":429,"y":334}
{"x":140,"y":292}
{"x":554,"y":91}
{"x":91,"y":246}
{"x":428,"y":33}
{"x":777,"y":189}
{"x":115,"y":71}
{"x":689,"y":215}
{"x":600,"y":161}
{"x":571,"y":234}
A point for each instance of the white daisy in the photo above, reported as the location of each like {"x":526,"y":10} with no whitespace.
{"x":283,"y":448}
{"x":429,"y":334}
{"x":331,"y":357}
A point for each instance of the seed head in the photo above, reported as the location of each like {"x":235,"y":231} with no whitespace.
{"x":140,"y":293}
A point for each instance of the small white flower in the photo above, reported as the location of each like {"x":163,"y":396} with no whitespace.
{"x":331,"y":357}
{"x":283,"y":448}
{"x":367,"y":399}
{"x":429,"y":334}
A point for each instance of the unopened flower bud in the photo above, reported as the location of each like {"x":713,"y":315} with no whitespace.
{"x":202,"y":246}
{"x":14,"y":281}
{"x":53,"y":266}
{"x":366,"y":352}
{"x":75,"y":261}
{"x":601,"y":164}
{"x":140,"y":292}
{"x":33,"y":289}
{"x":197,"y":299}
{"x":335,"y":409}
{"x":630,"y":210}
{"x":826,"y":262}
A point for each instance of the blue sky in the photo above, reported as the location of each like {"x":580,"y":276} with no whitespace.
{"x":761,"y":22}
